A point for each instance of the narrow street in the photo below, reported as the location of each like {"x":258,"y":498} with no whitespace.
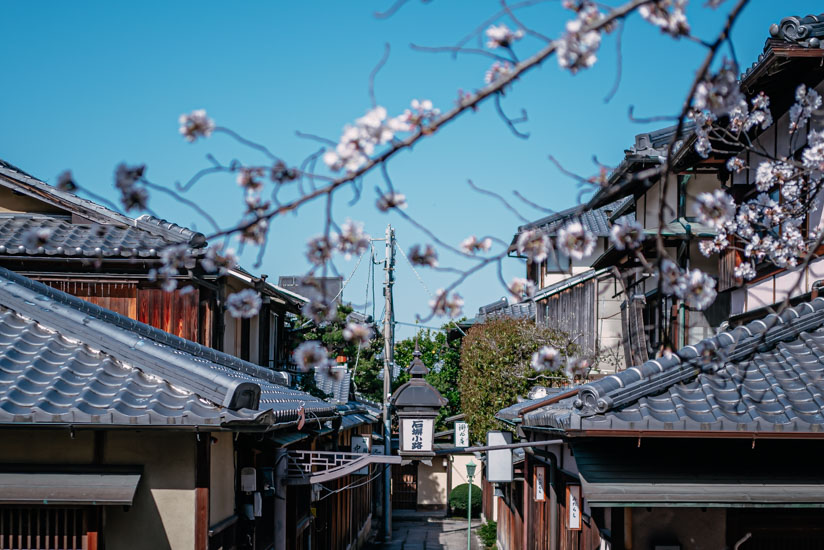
{"x":433,"y":533}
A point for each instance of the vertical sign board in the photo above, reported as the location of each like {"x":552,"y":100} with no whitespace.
{"x":499,"y":462}
{"x":540,"y":480}
{"x":461,"y":435}
{"x":416,"y":434}
{"x":361,"y":444}
{"x":574,"y":507}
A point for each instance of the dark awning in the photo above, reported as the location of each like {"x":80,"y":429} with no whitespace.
{"x":703,"y":494}
{"x":672,"y":472}
{"x":68,"y":488}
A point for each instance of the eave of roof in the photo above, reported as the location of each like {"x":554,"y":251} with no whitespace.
{"x":235,"y":390}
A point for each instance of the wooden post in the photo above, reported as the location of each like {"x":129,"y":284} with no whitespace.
{"x":281,"y":470}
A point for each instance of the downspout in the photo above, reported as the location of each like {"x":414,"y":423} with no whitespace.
{"x":552,"y":461}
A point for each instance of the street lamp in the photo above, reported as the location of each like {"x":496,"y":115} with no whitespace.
{"x":417,"y":404}
{"x":470,"y":474}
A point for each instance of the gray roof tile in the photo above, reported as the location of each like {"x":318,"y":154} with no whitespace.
{"x":64,"y":360}
{"x":595,"y":220}
{"x":763,"y":377}
{"x":78,"y":240}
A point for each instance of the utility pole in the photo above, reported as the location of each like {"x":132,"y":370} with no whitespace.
{"x":388,"y":361}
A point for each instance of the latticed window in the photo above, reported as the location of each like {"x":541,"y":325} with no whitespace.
{"x":45,"y":528}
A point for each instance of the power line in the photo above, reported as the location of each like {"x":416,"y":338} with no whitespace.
{"x":420,"y":280}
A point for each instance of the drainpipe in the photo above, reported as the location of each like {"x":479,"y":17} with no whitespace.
{"x":552,"y":461}
{"x":281,"y":470}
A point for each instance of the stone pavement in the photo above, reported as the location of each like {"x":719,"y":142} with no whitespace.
{"x":432,"y":533}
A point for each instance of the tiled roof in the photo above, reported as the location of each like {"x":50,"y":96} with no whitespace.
{"x":502,"y":308}
{"x":335,"y":382}
{"x":595,"y":220}
{"x":21,"y":182}
{"x":64,"y":360}
{"x":765,"y":376}
{"x":77,"y":240}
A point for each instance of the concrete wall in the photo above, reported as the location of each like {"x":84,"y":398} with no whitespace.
{"x":459,"y":463}
{"x":689,"y":528}
{"x":222,"y":478}
{"x":432,"y":483}
{"x":163,"y":513}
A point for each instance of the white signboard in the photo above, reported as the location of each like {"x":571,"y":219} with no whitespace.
{"x":540,"y":477}
{"x":361,"y":444}
{"x":499,"y":463}
{"x":574,"y":507}
{"x":416,"y":434}
{"x":461,"y":434}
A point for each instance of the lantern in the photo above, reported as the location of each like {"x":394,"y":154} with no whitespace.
{"x":417,"y":405}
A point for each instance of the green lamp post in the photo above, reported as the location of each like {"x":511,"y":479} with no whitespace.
{"x":470,"y":474}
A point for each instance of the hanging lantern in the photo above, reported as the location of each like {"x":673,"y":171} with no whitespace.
{"x":417,"y":404}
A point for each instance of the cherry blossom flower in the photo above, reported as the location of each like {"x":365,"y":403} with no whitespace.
{"x":280,"y":173}
{"x":249,"y":178}
{"x":216,"y":260}
{"x":744,"y":270}
{"x":133,"y":196}
{"x":771,"y":173}
{"x":669,"y":15}
{"x":626,"y":234}
{"x":534,"y":244}
{"x":319,"y":310}
{"x":244,"y":304}
{"x":577,"y":368}
{"x":255,"y":232}
{"x":703,"y":125}
{"x":358,"y":333}
{"x":196,"y":124}
{"x":501,"y":36}
{"x":319,"y":250}
{"x":311,"y":354}
{"x":670,"y":275}
{"x":546,"y":358}
{"x":426,"y":257}
{"x":35,"y":238}
{"x":715,"y":209}
{"x":736,"y":164}
{"x":813,"y":155}
{"x":807,"y":100}
{"x":719,"y":94}
{"x":391,"y":200}
{"x":421,"y":114}
{"x":714,"y":246}
{"x":444,"y":305}
{"x":471,"y":244}
{"x":352,"y":240}
{"x":498,"y":70}
{"x":576,"y":49}
{"x":575,"y":241}
{"x":697,"y":289}
{"x":520,"y":288}
{"x":173,"y":259}
{"x":65,"y":182}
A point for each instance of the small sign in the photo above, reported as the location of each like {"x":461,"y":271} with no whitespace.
{"x":361,"y":444}
{"x":540,"y":476}
{"x":461,"y":435}
{"x":417,"y":434}
{"x":499,"y":462}
{"x":574,"y":507}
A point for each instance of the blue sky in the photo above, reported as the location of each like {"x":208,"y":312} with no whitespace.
{"x":88,"y":85}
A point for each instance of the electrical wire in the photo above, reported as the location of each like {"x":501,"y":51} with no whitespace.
{"x":350,"y":276}
{"x":415,"y":271}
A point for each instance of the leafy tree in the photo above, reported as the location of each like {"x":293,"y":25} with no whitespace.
{"x":440,"y":355}
{"x":495,"y":367}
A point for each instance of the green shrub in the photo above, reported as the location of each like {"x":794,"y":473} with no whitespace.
{"x":488,"y":533}
{"x":459,"y":496}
